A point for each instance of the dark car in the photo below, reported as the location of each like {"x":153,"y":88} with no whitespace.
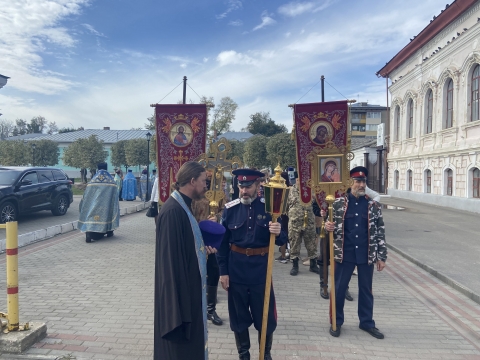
{"x":25,"y":190}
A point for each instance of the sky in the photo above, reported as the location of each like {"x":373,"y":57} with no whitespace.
{"x":96,"y":63}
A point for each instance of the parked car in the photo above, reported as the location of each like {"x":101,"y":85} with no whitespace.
{"x":25,"y":190}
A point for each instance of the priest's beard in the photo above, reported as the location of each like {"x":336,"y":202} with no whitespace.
{"x":198,"y":195}
{"x":247,"y":201}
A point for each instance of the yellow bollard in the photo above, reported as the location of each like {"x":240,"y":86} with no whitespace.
{"x":12,"y":275}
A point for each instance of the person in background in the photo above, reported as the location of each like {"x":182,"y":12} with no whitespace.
{"x":119,"y":181}
{"x":151,"y":180}
{"x":154,"y":197}
{"x":143,"y":185}
{"x":129,"y":187}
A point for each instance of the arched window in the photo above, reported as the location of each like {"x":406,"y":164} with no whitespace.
{"x":429,"y":112}
{"x":475,"y":94}
{"x":428,"y":182}
{"x":409,"y":180}
{"x":410,"y":119}
{"x":397,"y":179}
{"x":449,"y":105}
{"x":476,"y":183}
{"x":397,"y":123}
{"x":449,"y":182}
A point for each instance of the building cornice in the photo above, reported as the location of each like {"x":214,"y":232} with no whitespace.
{"x":428,"y":33}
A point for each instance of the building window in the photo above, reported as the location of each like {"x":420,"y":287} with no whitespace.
{"x":409,"y":180}
{"x":475,"y":94}
{"x":358,"y":128}
{"x":449,"y":105}
{"x":397,"y":179}
{"x":410,"y":119}
{"x":371,"y":127}
{"x":428,"y":182}
{"x":374,"y":115}
{"x":358,"y":116}
{"x":396,"y":119}
{"x":449,"y":182}
{"x":476,"y":183}
{"x":429,"y":112}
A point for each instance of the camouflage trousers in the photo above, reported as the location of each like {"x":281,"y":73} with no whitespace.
{"x":295,"y":236}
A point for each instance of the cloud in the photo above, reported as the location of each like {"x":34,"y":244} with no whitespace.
{"x":296,"y":8}
{"x":266,"y":20}
{"x":30,"y":30}
{"x":232,"y":5}
{"x":231,"y":57}
{"x":236,"y":23}
{"x":92,"y":30}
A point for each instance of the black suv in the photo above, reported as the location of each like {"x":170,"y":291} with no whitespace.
{"x":28,"y":189}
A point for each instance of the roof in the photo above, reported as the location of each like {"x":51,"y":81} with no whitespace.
{"x":24,"y":137}
{"x":361,"y":142}
{"x":363,"y":106}
{"x":236,"y":135}
{"x":446,"y":17}
{"x":108,"y":136}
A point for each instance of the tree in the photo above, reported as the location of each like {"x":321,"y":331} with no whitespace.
{"x":20,"y":127}
{"x":13,"y":153}
{"x":150,"y":125}
{"x":67,"y":129}
{"x":37,"y":125}
{"x":261,"y":123}
{"x":46,"y":153}
{"x":223,"y":116}
{"x":6,"y":129}
{"x":85,"y":154}
{"x":52,"y":128}
{"x":256,"y":152}
{"x":136,"y":152}
{"x":238,"y":149}
{"x":117,"y":154}
{"x":281,"y":149}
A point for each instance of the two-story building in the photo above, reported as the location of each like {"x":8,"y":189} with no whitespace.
{"x":434,"y":137}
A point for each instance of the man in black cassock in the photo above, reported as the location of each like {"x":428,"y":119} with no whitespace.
{"x":179,"y":322}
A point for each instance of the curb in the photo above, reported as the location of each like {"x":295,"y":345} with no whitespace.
{"x":49,"y":232}
{"x":444,"y":278}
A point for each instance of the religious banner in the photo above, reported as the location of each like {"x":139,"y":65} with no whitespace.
{"x":323,"y":149}
{"x":181,"y":131}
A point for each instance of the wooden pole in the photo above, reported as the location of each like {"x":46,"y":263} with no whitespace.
{"x":268,"y":286}
{"x":333,"y":311}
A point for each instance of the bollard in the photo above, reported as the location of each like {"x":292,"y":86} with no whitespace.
{"x":12,"y":277}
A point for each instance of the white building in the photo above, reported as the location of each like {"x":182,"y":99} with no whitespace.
{"x":434,"y":138}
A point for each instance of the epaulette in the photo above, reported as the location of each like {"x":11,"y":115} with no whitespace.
{"x":262,"y":200}
{"x":232,"y":203}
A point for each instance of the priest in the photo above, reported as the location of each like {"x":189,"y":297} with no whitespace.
{"x":180,"y":322}
{"x":129,"y":189}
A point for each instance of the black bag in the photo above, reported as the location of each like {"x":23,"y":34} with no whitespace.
{"x":152,"y":210}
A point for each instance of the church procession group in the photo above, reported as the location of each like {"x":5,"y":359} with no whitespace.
{"x":208,"y":237}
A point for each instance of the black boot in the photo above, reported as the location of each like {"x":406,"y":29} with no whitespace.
{"x":313,"y":266}
{"x":294,"y":270}
{"x":211,"y":303}
{"x":243,"y":344}
{"x":268,"y":345}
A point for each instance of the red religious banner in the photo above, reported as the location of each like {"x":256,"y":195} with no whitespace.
{"x":181,"y":137}
{"x":322,"y":145}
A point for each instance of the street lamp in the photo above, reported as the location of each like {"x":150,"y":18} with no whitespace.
{"x":33,"y":153}
{"x":149,"y":136}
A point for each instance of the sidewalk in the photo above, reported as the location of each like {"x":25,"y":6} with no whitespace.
{"x":97,"y":300}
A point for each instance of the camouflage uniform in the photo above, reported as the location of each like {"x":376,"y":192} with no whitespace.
{"x":296,"y":229}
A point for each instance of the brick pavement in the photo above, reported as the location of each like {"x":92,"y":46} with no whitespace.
{"x":97,"y":300}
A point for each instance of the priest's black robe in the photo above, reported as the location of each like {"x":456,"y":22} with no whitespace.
{"x":178,"y":330}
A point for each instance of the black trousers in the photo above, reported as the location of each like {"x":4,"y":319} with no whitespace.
{"x":343,"y":273}
{"x":245,"y":307}
{"x":213,"y":272}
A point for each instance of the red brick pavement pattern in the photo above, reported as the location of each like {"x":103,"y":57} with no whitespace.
{"x":97,"y":300}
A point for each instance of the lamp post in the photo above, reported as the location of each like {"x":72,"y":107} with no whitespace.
{"x":33,"y":153}
{"x":149,"y":136}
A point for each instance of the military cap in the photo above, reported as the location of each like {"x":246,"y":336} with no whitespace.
{"x":212,"y":233}
{"x":359,"y":172}
{"x":247,"y":177}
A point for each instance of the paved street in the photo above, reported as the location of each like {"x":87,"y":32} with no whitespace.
{"x":44,"y":219}
{"x":445,"y":239}
{"x":97,"y":300}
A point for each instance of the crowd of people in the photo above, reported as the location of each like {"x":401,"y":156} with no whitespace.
{"x":188,"y":271}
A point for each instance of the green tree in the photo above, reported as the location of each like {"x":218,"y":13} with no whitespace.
{"x":46,"y":153}
{"x":261,"y":123}
{"x":136,"y":152}
{"x":6,"y":129}
{"x":238,"y":149}
{"x":256,"y":152}
{"x":14,"y":153}
{"x":117,"y":154}
{"x":67,"y":129}
{"x":37,"y":125}
{"x":223,"y":116}
{"x":85,"y":154}
{"x":281,"y":149}
{"x":20,"y":127}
